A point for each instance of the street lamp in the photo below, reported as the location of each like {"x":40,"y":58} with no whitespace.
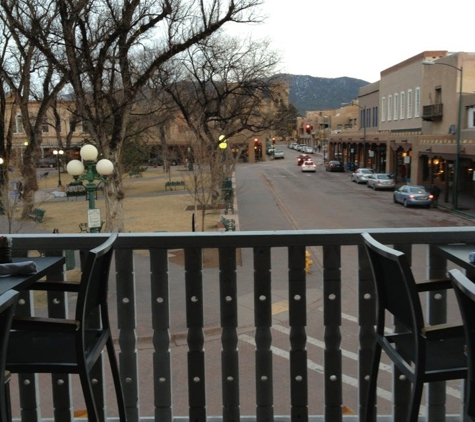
{"x":93,"y":171}
{"x":58,"y":153}
{"x":455,"y":193}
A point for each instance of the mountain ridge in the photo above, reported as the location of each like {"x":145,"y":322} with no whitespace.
{"x":311,"y":93}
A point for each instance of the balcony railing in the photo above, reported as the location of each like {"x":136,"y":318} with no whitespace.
{"x":231,"y":326}
{"x":432,"y":112}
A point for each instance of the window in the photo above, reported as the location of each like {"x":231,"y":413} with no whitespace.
{"x":18,"y":125}
{"x":396,"y":106}
{"x":45,"y":127}
{"x":417,"y":102}
{"x":403,"y":105}
{"x":390,"y":107}
{"x":471,"y":117}
{"x":72,"y":125}
{"x":375,"y":117}
{"x":409,"y":103}
{"x":383,"y":109}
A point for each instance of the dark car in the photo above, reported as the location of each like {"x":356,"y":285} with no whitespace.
{"x":158,"y":161}
{"x":334,"y":166}
{"x":301,"y":158}
{"x":413,"y":195}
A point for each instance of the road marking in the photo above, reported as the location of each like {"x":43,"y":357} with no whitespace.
{"x":279,"y":307}
{"x":345,"y":353}
{"x":353,"y":382}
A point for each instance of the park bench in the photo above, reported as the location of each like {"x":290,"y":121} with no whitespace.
{"x":38,"y":215}
{"x":228,"y":223}
{"x":73,"y":190}
{"x":174,"y":184}
{"x":44,"y":175}
{"x":83,"y":227}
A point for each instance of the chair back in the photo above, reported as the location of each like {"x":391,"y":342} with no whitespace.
{"x":395,"y":286}
{"x":465,"y":292}
{"x":92,"y":295}
{"x":8,"y":302}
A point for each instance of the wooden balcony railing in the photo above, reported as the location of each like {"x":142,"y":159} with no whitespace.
{"x":433,"y":112}
{"x":231,"y":326}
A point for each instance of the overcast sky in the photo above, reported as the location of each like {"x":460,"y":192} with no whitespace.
{"x":361,"y":38}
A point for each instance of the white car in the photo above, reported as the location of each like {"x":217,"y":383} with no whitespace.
{"x":307,"y":150}
{"x":278,"y":153}
{"x":380,"y":181}
{"x":308,"y":165}
{"x":361,"y":175}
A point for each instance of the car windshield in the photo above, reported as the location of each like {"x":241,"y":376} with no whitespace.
{"x":383,"y":176}
{"x":366,"y":171}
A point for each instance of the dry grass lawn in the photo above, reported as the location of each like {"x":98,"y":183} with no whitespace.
{"x":147,"y":207}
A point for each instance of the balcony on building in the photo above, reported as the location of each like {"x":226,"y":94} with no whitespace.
{"x":235,"y":326}
{"x":433,"y":112}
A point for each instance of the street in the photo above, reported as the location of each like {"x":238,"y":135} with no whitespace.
{"x":276,"y":195}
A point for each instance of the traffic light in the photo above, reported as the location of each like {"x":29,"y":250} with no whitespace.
{"x":273,"y":141}
{"x":256,"y":144}
{"x":308,"y":129}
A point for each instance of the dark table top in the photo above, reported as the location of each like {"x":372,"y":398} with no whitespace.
{"x":19,"y":282}
{"x":458,"y":254}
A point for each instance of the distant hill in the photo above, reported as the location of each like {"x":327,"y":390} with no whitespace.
{"x":308,"y":93}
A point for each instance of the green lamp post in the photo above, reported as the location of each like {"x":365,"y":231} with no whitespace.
{"x":89,"y":170}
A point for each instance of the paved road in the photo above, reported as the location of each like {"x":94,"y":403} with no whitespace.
{"x":276,"y":195}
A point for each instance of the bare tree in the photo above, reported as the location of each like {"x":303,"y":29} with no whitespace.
{"x":101,"y":40}
{"x":223,"y":88}
{"x":30,"y":79}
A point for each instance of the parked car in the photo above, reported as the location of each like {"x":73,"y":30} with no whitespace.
{"x":361,"y":175}
{"x":270,"y":150}
{"x":278,"y":153}
{"x":307,"y":150}
{"x":413,"y":195}
{"x":334,"y":166}
{"x":309,"y":165}
{"x":380,"y":181}
{"x":301,"y":158}
{"x":293,"y":145}
{"x":158,"y":161}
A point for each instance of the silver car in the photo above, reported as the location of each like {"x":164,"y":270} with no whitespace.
{"x":380,"y":181}
{"x":413,"y":195}
{"x":361,"y":175}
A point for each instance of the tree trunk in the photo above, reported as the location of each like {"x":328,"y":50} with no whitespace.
{"x":114,"y":196}
{"x":30,"y":183}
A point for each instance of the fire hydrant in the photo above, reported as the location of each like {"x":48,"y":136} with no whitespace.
{"x":308,"y":262}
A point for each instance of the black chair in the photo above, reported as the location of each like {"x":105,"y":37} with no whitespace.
{"x":8,"y":302}
{"x":465,"y":293}
{"x":48,"y":345}
{"x":422,"y":353}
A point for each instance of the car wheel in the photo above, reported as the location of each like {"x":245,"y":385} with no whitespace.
{"x":394,"y":199}
{"x":405,"y":203}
